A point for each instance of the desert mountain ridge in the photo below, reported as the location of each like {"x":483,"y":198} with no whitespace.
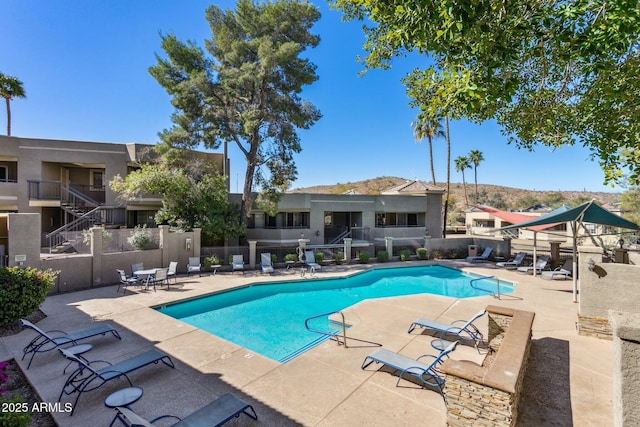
{"x":494,"y":195}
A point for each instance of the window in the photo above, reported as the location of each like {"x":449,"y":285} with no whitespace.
{"x":96,"y":179}
{"x":296,"y":220}
{"x":399,"y":219}
{"x":4,"y":174}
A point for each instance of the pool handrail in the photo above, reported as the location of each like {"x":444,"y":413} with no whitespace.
{"x":493,"y":294}
{"x":330,"y":334}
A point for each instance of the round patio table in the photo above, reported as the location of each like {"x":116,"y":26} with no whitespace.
{"x":123,"y":398}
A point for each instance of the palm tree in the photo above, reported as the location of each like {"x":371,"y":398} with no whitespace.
{"x":10,"y":87}
{"x":475,"y":156}
{"x":429,"y":128}
{"x":446,"y":200}
{"x":463,"y":163}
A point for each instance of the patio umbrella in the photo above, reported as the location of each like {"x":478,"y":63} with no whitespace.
{"x":589,"y":212}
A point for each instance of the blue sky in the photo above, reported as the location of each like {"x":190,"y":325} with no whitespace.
{"x":84,"y":68}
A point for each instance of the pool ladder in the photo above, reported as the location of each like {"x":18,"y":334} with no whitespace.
{"x":331,"y":335}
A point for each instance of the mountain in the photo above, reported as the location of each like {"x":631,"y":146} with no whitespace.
{"x":501,"y":197}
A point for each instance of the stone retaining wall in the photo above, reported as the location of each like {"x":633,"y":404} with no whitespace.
{"x":488,"y":395}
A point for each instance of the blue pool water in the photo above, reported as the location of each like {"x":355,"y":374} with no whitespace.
{"x":269,"y":319}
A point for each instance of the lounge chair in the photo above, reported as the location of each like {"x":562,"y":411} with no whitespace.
{"x":215,"y":413}
{"x":427,"y":374}
{"x":125,"y":281}
{"x":480,"y":258}
{"x":173,"y":271}
{"x":265,"y":263}
{"x":541,"y":264}
{"x":194,"y":266}
{"x":460,"y":329}
{"x":513,"y":262}
{"x":46,"y":341}
{"x":310,"y":261}
{"x":566,"y":270}
{"x":87,"y":377}
{"x":237,"y":263}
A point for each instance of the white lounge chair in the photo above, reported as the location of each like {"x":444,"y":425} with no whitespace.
{"x":480,"y":258}
{"x":310,"y":261}
{"x":513,"y":262}
{"x":541,"y":264}
{"x":265,"y":263}
{"x":566,"y":270}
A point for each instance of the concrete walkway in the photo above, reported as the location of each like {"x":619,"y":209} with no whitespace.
{"x":569,"y":380}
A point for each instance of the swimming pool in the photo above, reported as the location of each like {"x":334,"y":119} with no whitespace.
{"x":269,"y":318}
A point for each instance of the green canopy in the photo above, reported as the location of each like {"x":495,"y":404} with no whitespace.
{"x":587,"y":212}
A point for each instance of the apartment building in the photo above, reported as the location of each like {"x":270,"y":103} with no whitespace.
{"x":66,"y":182}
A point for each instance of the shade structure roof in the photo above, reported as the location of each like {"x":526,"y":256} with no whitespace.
{"x":589,"y":212}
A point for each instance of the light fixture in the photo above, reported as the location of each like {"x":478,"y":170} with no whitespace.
{"x":591,"y":264}
{"x":188,"y":244}
{"x":317,"y":232}
{"x":621,"y":242}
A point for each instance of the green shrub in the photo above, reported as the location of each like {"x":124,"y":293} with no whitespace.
{"x":383,"y":256}
{"x":338,"y":257}
{"x":422,"y":253}
{"x":274,"y":258}
{"x":405,"y":255}
{"x":291,"y":257}
{"x":22,"y":290}
{"x":140,"y":237}
{"x":364,"y":257}
{"x":211,"y":260}
{"x":107,"y":236}
{"x":15,"y":418}
{"x":319,"y":257}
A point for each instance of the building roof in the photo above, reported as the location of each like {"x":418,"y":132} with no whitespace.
{"x":513,"y":217}
{"x":413,"y":187}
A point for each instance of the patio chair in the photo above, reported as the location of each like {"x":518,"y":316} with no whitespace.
{"x":173,"y":271}
{"x":461,"y":329}
{"x":566,"y":270}
{"x":480,"y":258}
{"x":88,"y":378}
{"x":136,"y":267}
{"x":541,"y":264}
{"x":46,"y":341}
{"x":513,"y":262}
{"x":310,"y":261}
{"x":194,"y":266}
{"x":237,"y":263}
{"x":265,"y":263}
{"x":427,"y":374}
{"x":125,"y":281}
{"x":161,"y":276}
{"x":215,"y":413}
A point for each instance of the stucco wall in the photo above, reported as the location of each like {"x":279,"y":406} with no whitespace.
{"x":609,"y":286}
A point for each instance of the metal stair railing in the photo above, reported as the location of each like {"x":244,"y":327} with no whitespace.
{"x":340,"y":236}
{"x":98,"y":215}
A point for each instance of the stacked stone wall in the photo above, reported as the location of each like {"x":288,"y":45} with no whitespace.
{"x":594,"y":327}
{"x":488,"y":395}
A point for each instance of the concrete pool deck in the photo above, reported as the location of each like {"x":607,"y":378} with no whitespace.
{"x":569,"y":380}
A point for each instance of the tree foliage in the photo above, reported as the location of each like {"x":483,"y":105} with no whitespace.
{"x":193,"y":197}
{"x":10,"y":87}
{"x":244,"y":87}
{"x":551,"y":73}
